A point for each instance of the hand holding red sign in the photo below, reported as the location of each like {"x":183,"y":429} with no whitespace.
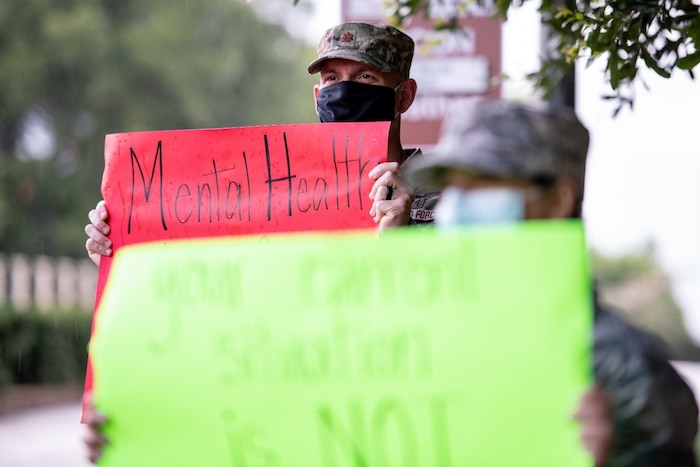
{"x":203,"y":183}
{"x":163,"y":185}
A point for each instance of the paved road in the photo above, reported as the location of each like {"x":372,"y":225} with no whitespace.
{"x":47,"y":437}
{"x":52,"y":437}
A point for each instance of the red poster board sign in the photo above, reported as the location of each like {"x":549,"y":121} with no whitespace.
{"x":163,"y":185}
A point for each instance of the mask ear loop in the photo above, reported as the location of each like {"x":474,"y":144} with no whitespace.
{"x":396,"y":88}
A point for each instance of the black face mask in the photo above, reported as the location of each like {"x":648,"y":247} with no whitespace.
{"x":349,"y":101}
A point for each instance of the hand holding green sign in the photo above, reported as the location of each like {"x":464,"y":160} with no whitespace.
{"x":347,"y":350}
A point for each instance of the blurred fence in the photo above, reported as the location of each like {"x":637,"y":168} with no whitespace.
{"x":47,"y":284}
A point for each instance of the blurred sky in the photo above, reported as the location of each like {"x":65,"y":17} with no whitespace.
{"x":643,"y":181}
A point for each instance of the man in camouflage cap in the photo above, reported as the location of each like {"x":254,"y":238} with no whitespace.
{"x":501,"y":162}
{"x":365,"y":77}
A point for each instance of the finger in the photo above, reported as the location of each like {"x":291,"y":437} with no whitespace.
{"x":392,"y":213}
{"x":387,"y":174}
{"x":394,"y":179}
{"x":385,"y":207}
{"x":95,"y":444}
{"x":94,"y":440}
{"x":390,"y":182}
{"x":597,"y":432}
{"x":102,"y":209}
{"x":97,"y":218}
{"x":94,"y":248}
{"x":597,"y":441}
{"x":381,"y":183}
{"x":96,"y":234}
{"x":389,"y":190}
{"x":97,"y":242}
{"x":382,"y":168}
{"x":95,"y":419}
{"x":95,"y":257}
{"x":92,"y":416}
{"x":384,"y":193}
{"x":593,"y":403}
{"x":94,"y":454}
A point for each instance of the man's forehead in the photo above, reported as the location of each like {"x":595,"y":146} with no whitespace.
{"x":336,"y":64}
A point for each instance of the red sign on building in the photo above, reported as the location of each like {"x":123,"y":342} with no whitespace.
{"x":449,"y":66}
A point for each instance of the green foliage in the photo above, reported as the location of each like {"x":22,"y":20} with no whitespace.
{"x":34,"y":201}
{"x":43,"y":348}
{"x":616,"y":271}
{"x":659,"y":35}
{"x":87,"y":69}
{"x":639,"y":290}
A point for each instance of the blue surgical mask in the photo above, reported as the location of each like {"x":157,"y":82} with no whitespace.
{"x":485,"y":206}
{"x":350,"y":101}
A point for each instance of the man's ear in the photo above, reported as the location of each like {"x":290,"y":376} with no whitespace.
{"x":406,"y":94}
{"x":317,"y":88}
{"x":564,"y":197}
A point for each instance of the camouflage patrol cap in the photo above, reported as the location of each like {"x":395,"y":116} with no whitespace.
{"x":380,"y":46}
{"x":505,"y":139}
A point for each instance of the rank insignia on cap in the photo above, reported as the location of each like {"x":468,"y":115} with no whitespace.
{"x":347,"y":39}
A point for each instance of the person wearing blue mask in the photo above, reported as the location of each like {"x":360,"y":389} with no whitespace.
{"x":499,"y":162}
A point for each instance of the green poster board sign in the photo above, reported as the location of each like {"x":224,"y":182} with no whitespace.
{"x":410,"y":349}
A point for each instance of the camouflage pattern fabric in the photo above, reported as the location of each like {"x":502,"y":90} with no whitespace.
{"x":423,"y":207}
{"x":379,"y":46}
{"x":654,"y":410}
{"x":506,"y":139}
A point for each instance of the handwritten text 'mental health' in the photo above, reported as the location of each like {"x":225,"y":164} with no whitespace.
{"x":261,"y":190}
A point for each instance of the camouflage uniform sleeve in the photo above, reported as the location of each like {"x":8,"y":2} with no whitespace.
{"x":654,"y":411}
{"x":423,"y":207}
